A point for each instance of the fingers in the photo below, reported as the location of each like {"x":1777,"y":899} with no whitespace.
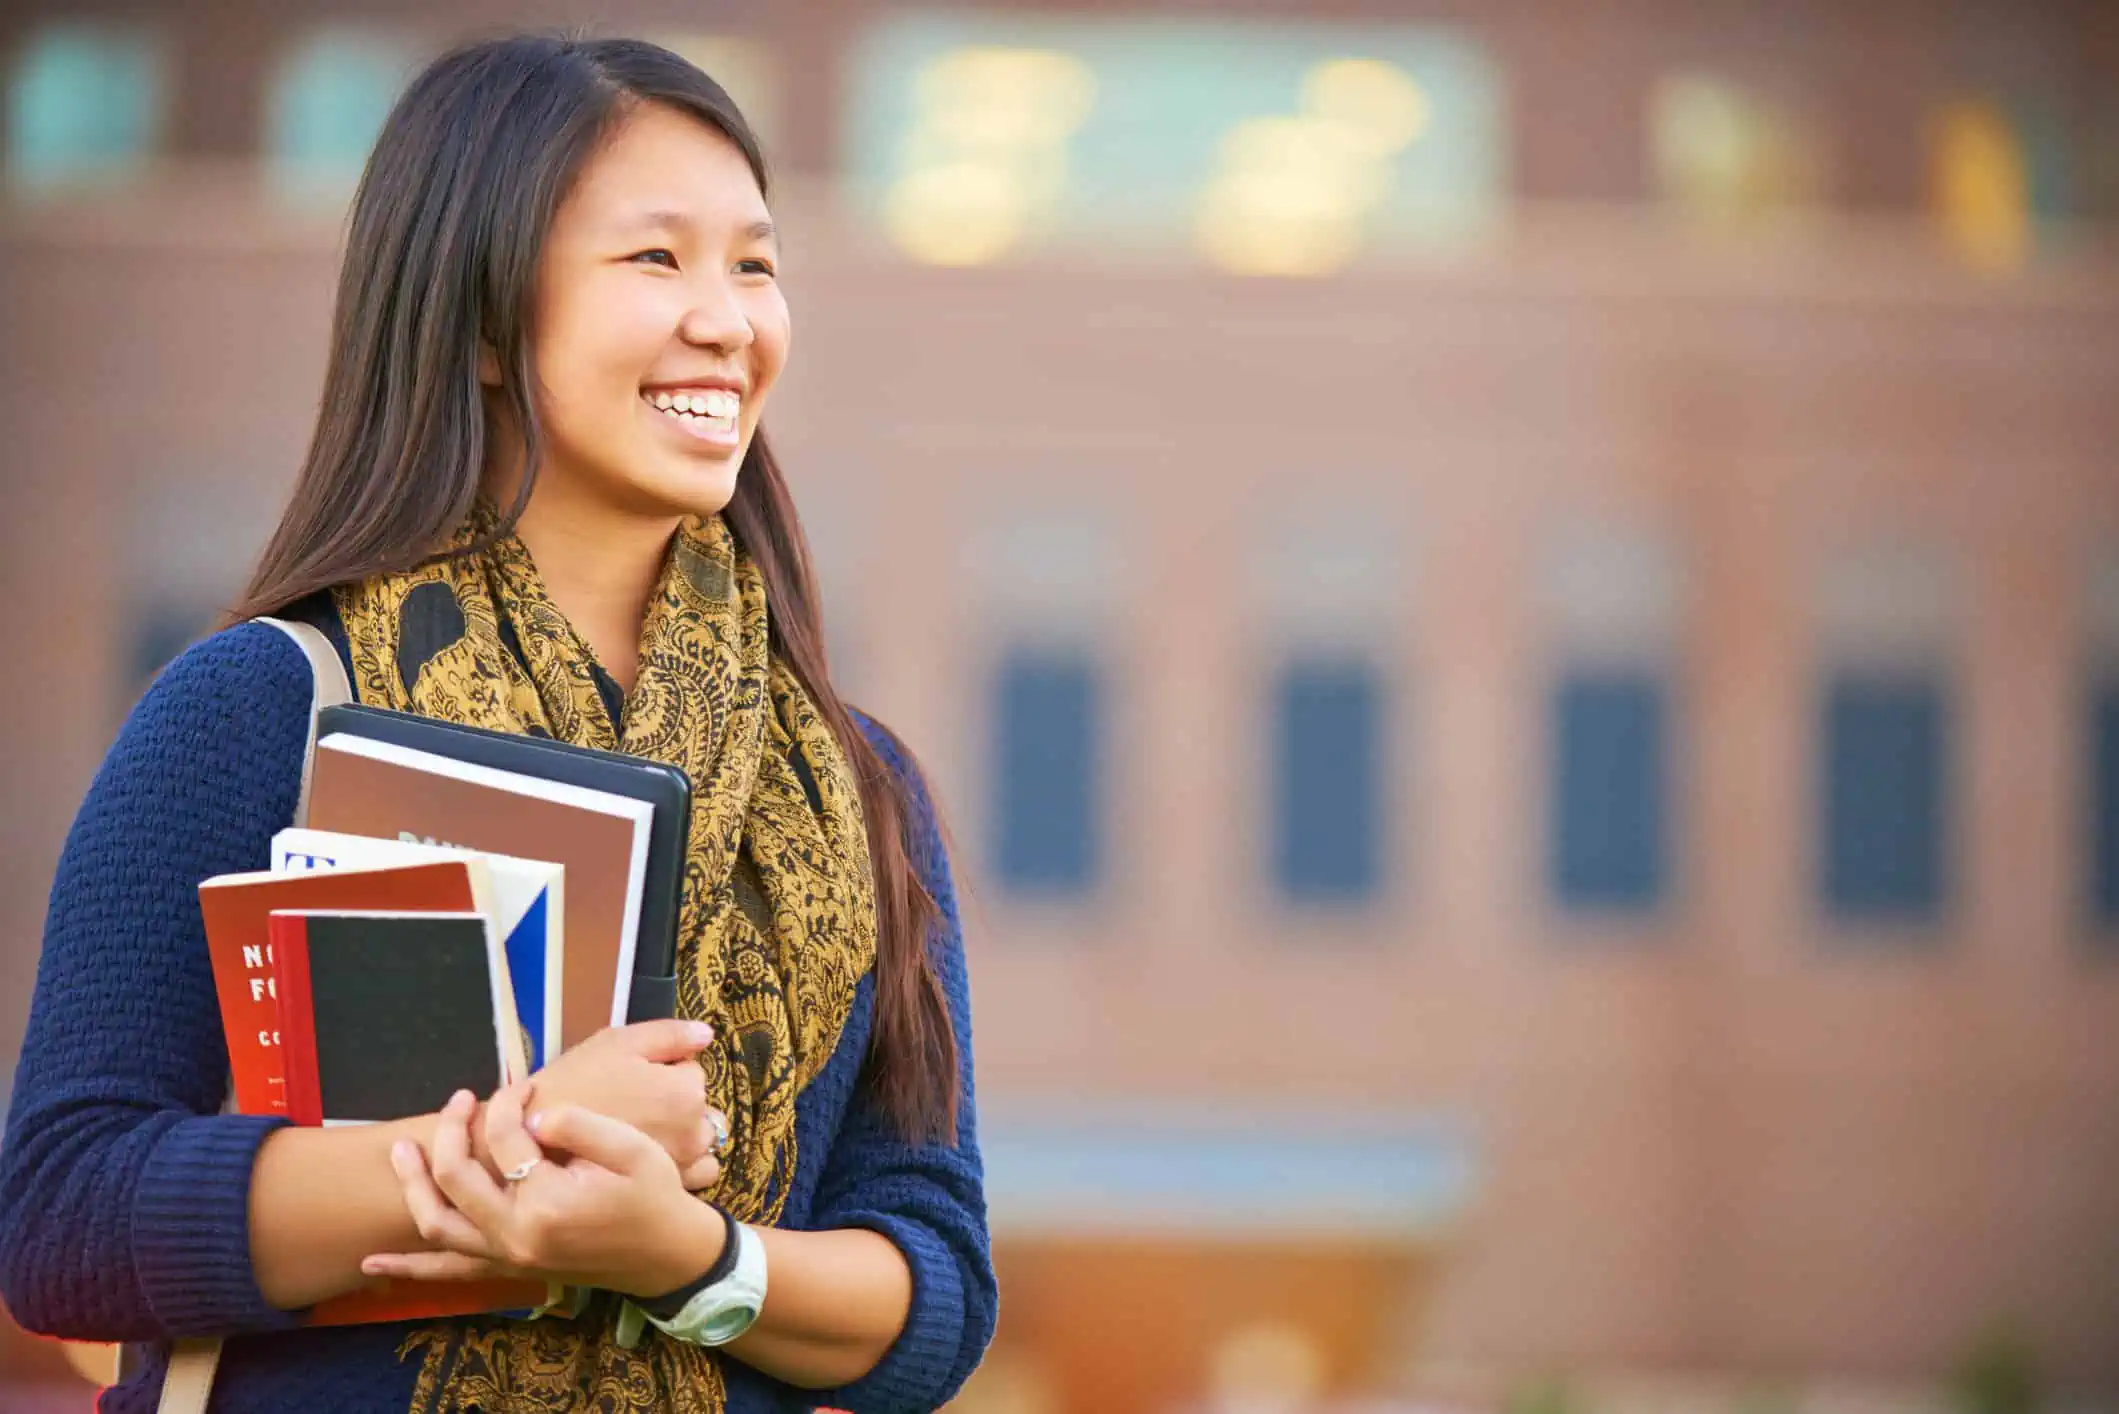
{"x":462,"y":1179}
{"x":609,"y":1143}
{"x":665,"y":1041}
{"x":431,"y":1266}
{"x":702,"y":1174}
{"x":437,"y":1221}
{"x":507,"y":1140}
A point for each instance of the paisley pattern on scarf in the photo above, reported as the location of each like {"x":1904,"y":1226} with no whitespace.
{"x":778,"y":920}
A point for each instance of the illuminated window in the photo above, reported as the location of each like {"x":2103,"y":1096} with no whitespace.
{"x":1726,"y":154}
{"x":1293,"y":193}
{"x":1280,"y":148}
{"x":987,"y":155}
{"x":1996,"y":170}
{"x":1981,"y":187}
{"x":327,"y":107}
{"x":84,"y":103}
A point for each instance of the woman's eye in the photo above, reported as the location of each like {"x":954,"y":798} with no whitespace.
{"x":754,"y":267}
{"x":655,"y":257}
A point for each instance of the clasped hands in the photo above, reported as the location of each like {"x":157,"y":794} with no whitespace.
{"x":584,"y":1174}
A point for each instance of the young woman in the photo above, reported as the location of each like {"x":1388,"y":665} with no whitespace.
{"x":537,"y":500}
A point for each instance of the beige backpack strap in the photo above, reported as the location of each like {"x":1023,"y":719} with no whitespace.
{"x":331,"y":689}
{"x":188,"y":1383}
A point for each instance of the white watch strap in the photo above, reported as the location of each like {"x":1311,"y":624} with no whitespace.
{"x":725,"y":1310}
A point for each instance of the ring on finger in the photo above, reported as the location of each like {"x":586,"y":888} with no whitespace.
{"x":523,"y":1170}
{"x":720,"y":1125}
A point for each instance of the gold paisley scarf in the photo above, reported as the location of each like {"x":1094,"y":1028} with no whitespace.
{"x":778,"y":915}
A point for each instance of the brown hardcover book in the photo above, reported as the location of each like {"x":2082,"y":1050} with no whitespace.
{"x":365,"y":787}
{"x":238,"y":912}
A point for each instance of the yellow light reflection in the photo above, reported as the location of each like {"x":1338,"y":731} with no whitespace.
{"x":1369,"y":97}
{"x":1982,"y":190}
{"x":987,"y":155}
{"x":1294,"y":192}
{"x":966,"y":213}
{"x":1050,"y":90}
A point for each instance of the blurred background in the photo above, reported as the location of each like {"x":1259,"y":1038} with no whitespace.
{"x":1515,"y":607}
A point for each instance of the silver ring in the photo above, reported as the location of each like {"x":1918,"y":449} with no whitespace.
{"x":523,"y":1170}
{"x":720,"y":1124}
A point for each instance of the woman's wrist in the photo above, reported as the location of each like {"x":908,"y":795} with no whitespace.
{"x":421,"y":1132}
{"x":691,"y":1243}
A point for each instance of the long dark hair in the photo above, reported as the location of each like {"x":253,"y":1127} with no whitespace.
{"x":447,"y":226}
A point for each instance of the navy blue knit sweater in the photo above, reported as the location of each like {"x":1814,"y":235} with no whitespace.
{"x":124,"y":1194}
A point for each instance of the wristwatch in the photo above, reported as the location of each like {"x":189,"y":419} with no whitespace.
{"x":723,"y":1302}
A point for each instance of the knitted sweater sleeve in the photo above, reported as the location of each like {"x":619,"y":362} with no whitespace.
{"x":927,"y":1198}
{"x":124,"y":1195}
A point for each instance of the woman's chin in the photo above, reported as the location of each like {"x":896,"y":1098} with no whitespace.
{"x":697,"y":490}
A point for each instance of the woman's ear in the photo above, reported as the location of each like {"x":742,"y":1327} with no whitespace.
{"x":488,"y":365}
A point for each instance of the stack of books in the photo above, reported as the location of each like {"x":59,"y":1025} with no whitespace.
{"x":460,"y":907}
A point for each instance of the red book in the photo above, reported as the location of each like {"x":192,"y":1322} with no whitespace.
{"x":295,"y":1013}
{"x":238,"y":910}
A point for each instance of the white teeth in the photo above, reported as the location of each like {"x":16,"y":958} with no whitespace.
{"x":719,"y":404}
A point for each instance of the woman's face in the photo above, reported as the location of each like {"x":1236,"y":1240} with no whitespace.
{"x":660,"y":324}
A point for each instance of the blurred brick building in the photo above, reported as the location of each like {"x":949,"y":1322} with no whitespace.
{"x":1595,"y":718}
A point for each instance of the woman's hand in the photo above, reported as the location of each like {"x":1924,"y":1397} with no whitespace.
{"x":644,"y":1075}
{"x":598,"y":1203}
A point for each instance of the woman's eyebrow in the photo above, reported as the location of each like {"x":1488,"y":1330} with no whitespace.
{"x":682,"y":223}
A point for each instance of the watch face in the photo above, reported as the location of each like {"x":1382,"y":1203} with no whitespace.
{"x":726,"y":1325}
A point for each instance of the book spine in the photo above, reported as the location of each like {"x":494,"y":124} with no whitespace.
{"x":426,"y":1300}
{"x":297,"y":1016}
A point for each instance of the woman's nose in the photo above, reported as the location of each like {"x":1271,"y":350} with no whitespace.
{"x":716,"y":320}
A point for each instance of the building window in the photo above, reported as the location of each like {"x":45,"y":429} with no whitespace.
{"x":1048,"y":763}
{"x":1328,"y":780}
{"x":1885,"y":746}
{"x":328,"y":104}
{"x":84,"y":104}
{"x":2104,"y":805}
{"x":1608,"y":832}
{"x":1281,"y":146}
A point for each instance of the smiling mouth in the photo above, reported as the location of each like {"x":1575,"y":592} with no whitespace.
{"x":710,"y":413}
